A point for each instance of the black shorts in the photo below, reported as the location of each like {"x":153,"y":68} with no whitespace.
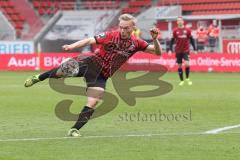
{"x":181,"y":56}
{"x":91,"y":73}
{"x":84,"y":68}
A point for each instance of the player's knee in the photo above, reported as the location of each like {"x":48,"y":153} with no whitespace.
{"x":93,"y":103}
{"x":95,"y":95}
{"x":94,"y":100}
{"x":100,"y":96}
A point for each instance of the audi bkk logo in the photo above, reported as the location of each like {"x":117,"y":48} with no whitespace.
{"x":233,"y":47}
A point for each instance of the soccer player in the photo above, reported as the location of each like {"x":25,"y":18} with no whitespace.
{"x":182,"y":36}
{"x":116,"y":47}
{"x":213,"y":33}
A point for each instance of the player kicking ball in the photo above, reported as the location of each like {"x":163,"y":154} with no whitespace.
{"x":182,"y":36}
{"x":116,"y":47}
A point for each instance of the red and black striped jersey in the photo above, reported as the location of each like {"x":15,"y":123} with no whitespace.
{"x":182,"y":39}
{"x":114,"y":51}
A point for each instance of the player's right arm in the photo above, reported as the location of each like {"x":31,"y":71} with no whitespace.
{"x":79,"y":44}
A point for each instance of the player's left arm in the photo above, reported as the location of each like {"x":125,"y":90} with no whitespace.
{"x":154,"y":48}
{"x":192,"y":41}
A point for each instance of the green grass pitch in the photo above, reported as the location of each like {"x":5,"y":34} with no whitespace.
{"x":30,"y":130}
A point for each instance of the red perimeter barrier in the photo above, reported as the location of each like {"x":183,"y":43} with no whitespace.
{"x":231,"y":46}
{"x":206,"y":62}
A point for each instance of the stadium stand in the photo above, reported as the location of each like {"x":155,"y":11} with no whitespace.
{"x":13,"y":15}
{"x":27,"y":26}
{"x":102,"y":4}
{"x":135,"y":7}
{"x":206,"y":7}
{"x":50,"y":7}
{"x":183,"y":2}
{"x":33,"y":23}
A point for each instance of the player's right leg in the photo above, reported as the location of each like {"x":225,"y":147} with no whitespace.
{"x":53,"y":73}
{"x":96,"y":84}
{"x":68,"y":68}
{"x":180,"y":70}
{"x":180,"y":73}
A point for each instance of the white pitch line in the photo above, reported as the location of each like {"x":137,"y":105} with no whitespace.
{"x":103,"y":136}
{"x":217,"y":130}
{"x":109,"y":136}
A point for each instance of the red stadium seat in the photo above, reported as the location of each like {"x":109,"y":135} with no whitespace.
{"x":14,"y":17}
{"x":205,"y":6}
{"x":134,"y":7}
{"x":18,"y":25}
{"x":100,"y":4}
{"x":36,"y":4}
{"x":142,"y":3}
{"x":9,"y":11}
{"x":210,"y":6}
{"x":20,"y":17}
{"x":131,"y":10}
{"x":44,"y":4}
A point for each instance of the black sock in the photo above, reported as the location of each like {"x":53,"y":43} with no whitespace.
{"x":49,"y":74}
{"x":187,"y":70}
{"x":83,"y":118}
{"x":180,"y":73}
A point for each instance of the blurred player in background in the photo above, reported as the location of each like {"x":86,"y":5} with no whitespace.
{"x":213,"y":33}
{"x":116,"y":47}
{"x":182,"y":36}
{"x":137,"y":33}
{"x":201,"y":36}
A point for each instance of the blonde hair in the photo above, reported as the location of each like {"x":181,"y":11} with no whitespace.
{"x":128,"y":17}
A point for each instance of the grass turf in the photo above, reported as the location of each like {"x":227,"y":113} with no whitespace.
{"x":213,"y":100}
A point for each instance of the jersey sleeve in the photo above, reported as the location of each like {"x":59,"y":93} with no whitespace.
{"x":189,"y":33}
{"x":174,"y":34}
{"x":101,"y":38}
{"x":142,"y":45}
